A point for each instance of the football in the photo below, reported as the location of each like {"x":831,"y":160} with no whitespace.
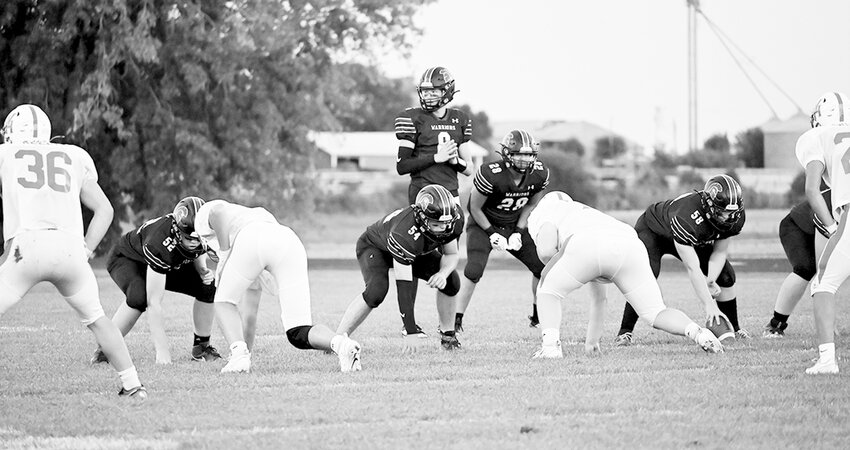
{"x":722,"y":330}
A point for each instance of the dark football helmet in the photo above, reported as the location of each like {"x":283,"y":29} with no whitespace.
{"x":723,"y":201}
{"x":184,"y":218}
{"x":435,"y":78}
{"x":434,"y":207}
{"x":519,"y":150}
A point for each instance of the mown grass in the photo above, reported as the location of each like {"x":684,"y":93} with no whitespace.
{"x":661,"y":393}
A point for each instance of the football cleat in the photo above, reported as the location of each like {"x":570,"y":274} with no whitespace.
{"x":823,"y":367}
{"x":624,"y":340}
{"x":549,"y":351}
{"x":98,"y":357}
{"x":708,"y":341}
{"x":418,"y":334}
{"x":533,"y":321}
{"x":743,"y":334}
{"x":774,"y":329}
{"x":239,"y":363}
{"x":205,"y":352}
{"x":349,"y":354}
{"x":449,"y":341}
{"x":138,"y":393}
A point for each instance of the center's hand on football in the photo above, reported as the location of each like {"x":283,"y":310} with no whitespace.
{"x":515,"y":242}
{"x":437,"y":281}
{"x":498,"y":242}
{"x":445,"y":151}
{"x":713,"y":315}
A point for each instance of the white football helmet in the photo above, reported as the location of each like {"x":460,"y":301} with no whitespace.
{"x":26,"y":124}
{"x":833,"y":108}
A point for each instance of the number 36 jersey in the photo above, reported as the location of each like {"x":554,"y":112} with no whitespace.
{"x":505,"y":198}
{"x":682,"y":220}
{"x":41,"y":187}
{"x":831,"y":146}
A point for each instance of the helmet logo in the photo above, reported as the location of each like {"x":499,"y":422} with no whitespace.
{"x":714,"y":189}
{"x":180,"y":213}
{"x":426,"y":200}
{"x":447,"y":77}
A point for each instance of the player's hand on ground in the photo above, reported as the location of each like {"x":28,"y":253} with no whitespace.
{"x":498,"y":242}
{"x":713,"y":289}
{"x":515,"y":242}
{"x":414,"y":343}
{"x":437,"y":281}
{"x":445,"y":151}
{"x":592,"y":348}
{"x":163,"y":358}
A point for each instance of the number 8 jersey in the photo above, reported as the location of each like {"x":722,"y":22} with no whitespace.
{"x":41,"y":187}
{"x":505,"y":198}
{"x":831,"y":146}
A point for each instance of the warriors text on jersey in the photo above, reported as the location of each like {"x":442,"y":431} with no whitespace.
{"x":423,"y":131}
{"x":831,"y":146}
{"x":683,"y":220}
{"x":399,"y":234}
{"x":41,"y":187}
{"x":505,"y":198}
{"x":155,"y":243}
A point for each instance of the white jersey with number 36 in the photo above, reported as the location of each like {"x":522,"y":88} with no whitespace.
{"x":831,"y":146}
{"x":41,"y":187}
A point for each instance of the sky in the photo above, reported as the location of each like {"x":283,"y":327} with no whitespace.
{"x":622,"y":64}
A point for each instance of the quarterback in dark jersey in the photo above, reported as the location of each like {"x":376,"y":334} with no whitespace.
{"x":431,"y":149}
{"x":802,"y":245}
{"x":504,"y":194}
{"x":695,"y":228}
{"x":164,"y":254}
{"x":417,"y":241}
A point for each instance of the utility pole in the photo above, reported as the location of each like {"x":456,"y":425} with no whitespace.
{"x":693,"y":7}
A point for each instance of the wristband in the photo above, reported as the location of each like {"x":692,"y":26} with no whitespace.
{"x":490,"y":230}
{"x":831,"y":229}
{"x":460,"y":166}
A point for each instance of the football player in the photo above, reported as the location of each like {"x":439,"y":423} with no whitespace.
{"x":431,"y":148}
{"x":696,"y":228}
{"x":582,"y":245}
{"x":251,"y":242}
{"x":43,"y":185}
{"x":801,"y":244}
{"x":164,"y":254}
{"x":418,"y":241}
{"x":823,"y":152}
{"x":504,"y":193}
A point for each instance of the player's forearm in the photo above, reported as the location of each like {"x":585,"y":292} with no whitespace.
{"x":448,"y":263}
{"x":98,"y":226}
{"x":412,"y":164}
{"x":700,"y":287}
{"x":715,"y":264}
{"x":157,"y":328}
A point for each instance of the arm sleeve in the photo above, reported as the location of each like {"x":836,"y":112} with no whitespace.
{"x":467,"y":130}
{"x":407,"y":135}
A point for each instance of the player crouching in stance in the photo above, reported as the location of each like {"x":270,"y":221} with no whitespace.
{"x":43,"y":228}
{"x":164,"y":254}
{"x":250,"y":241}
{"x":417,"y":241}
{"x":581,"y":245}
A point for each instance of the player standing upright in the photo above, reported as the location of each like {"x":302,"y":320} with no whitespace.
{"x":43,"y":185}
{"x":504,"y":193}
{"x":431,"y":149}
{"x":695,"y":228}
{"x":824,"y":153}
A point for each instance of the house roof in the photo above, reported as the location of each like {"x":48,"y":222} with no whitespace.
{"x":367,"y":143}
{"x":797,"y":123}
{"x":556,"y":131}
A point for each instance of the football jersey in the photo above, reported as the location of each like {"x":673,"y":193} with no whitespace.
{"x":572,"y":217}
{"x":424,"y":132}
{"x":505,"y":198}
{"x":222,"y":220}
{"x":400,"y":235}
{"x":155,"y":243}
{"x":831,"y":146}
{"x":41,"y":187}
{"x":682,"y":220}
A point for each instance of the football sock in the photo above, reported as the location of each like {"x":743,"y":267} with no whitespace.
{"x":449,"y":333}
{"x":630,"y":318}
{"x":826,"y":352}
{"x":692,"y":330}
{"x":129,"y":378}
{"x":779,"y":318}
{"x":201,"y":340}
{"x":335,"y":341}
{"x":551,"y":336}
{"x":406,"y":301}
{"x":730,"y":308}
{"x":458,"y":317}
{"x":534,"y":311}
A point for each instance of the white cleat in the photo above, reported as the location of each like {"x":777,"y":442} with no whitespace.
{"x":239,"y":363}
{"x":708,"y":341}
{"x":823,"y":367}
{"x":549,"y":351}
{"x":349,"y":354}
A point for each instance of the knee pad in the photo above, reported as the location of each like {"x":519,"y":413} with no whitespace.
{"x":207,"y":293}
{"x":298,"y":337}
{"x":805,"y":271}
{"x":375,"y":292}
{"x":726,"y":279}
{"x":473,"y":271}
{"x":452,"y":284}
{"x":137,"y":297}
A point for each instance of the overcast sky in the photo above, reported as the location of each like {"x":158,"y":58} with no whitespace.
{"x":622,"y":64}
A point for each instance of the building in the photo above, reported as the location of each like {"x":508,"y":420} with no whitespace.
{"x":780,"y":141}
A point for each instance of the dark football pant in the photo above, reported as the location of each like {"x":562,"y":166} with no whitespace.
{"x":478,"y":249}
{"x":799,"y":248}
{"x":658,"y":246}
{"x":130,"y":277}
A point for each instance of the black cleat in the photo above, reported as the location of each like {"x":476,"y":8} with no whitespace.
{"x":205,"y":352}
{"x":449,"y":341}
{"x":533,"y":321}
{"x":775,"y":329}
{"x":138,"y":393}
{"x":98,"y":357}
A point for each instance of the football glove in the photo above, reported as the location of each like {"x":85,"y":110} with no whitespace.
{"x":498,"y":242}
{"x":515,"y":242}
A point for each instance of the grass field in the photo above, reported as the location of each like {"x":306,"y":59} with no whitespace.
{"x":661,"y":393}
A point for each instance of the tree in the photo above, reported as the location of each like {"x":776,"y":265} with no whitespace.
{"x":482,"y":132}
{"x":361,"y":98}
{"x":567,"y":174}
{"x":572,"y":145}
{"x":750,"y":147}
{"x":609,"y":147}
{"x":717,"y":143}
